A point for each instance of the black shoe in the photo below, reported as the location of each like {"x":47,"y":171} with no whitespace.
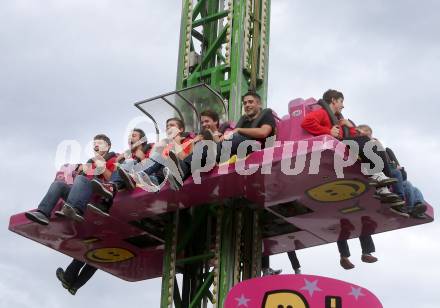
{"x":418,"y":216}
{"x":60,"y":276}
{"x":130,"y":184}
{"x":419,"y":208}
{"x":99,"y":208}
{"x":389,"y":198}
{"x":107,"y":190}
{"x":38,"y":217}
{"x":399,"y":210}
{"x":72,"y":290}
{"x":70,"y":212}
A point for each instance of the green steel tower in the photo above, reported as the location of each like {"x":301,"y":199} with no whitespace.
{"x":224,"y":44}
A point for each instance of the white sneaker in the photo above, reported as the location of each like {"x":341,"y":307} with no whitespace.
{"x":383,"y":191}
{"x":380,"y":180}
{"x":144,"y":180}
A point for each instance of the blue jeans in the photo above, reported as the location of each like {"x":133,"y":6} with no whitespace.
{"x":78,"y":273}
{"x":236,"y":140}
{"x":412,"y":194}
{"x":56,"y":191}
{"x":80,"y":193}
{"x":367,"y":246}
{"x":76,"y":195}
{"x":398,"y":188}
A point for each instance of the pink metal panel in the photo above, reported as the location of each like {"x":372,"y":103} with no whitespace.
{"x":299,"y":291}
{"x":335,"y":208}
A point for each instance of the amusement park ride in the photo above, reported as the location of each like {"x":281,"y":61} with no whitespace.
{"x":215,"y":233}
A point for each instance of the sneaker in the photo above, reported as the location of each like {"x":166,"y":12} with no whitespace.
{"x":419,"y":208}
{"x":297,"y":271}
{"x":107,"y":190}
{"x":130,"y":184}
{"x":174,"y":183}
{"x":38,"y":217}
{"x":381,"y":180}
{"x":70,"y":212}
{"x":270,"y":272}
{"x":385,"y":196}
{"x":418,"y":216}
{"x":346,"y":264}
{"x":60,"y":276}
{"x":397,"y":202}
{"x":399,"y":210}
{"x":145,"y":181}
{"x":175,"y":178}
{"x":176,"y":162}
{"x":99,"y":208}
{"x":368,"y":258}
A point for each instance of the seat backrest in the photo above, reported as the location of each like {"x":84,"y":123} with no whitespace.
{"x":289,"y":128}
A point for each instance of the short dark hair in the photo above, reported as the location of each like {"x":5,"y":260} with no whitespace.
{"x":365,"y":126}
{"x":104,"y":138}
{"x":253,"y":94}
{"x":140,"y":131}
{"x":332,"y":94}
{"x":178,"y":121}
{"x":211,"y":114}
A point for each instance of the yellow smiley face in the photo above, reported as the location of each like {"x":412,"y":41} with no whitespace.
{"x":109,"y":255}
{"x":284,"y":299}
{"x":339,"y":190}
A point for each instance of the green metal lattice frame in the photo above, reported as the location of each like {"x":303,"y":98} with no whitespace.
{"x":224,"y":44}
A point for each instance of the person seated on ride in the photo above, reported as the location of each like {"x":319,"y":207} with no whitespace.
{"x":366,"y":130}
{"x":75,"y":276}
{"x":148,"y":163}
{"x":324,"y":122}
{"x":415,"y":203}
{"x":210,"y":122}
{"x":256,"y":125}
{"x":138,"y":151}
{"x":415,"y":200}
{"x":78,"y":194}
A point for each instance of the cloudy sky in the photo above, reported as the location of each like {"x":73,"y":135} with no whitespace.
{"x":72,"y":68}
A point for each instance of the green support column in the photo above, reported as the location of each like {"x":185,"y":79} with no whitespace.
{"x":218,"y":244}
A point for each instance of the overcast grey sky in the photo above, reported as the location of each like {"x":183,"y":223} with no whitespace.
{"x":73,"y":68}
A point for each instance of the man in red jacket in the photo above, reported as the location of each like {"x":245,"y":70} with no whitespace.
{"x":319,"y":122}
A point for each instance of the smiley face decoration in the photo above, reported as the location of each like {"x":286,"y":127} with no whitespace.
{"x":109,"y":255}
{"x":336,"y":191}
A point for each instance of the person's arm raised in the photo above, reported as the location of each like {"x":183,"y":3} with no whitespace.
{"x":256,"y":133}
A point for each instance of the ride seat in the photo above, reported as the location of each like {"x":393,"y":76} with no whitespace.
{"x":289,"y":128}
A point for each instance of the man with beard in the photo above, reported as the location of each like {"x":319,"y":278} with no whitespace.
{"x":256,"y":125}
{"x":78,"y":194}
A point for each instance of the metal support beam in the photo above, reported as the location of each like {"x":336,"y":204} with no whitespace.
{"x":209,"y":19}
